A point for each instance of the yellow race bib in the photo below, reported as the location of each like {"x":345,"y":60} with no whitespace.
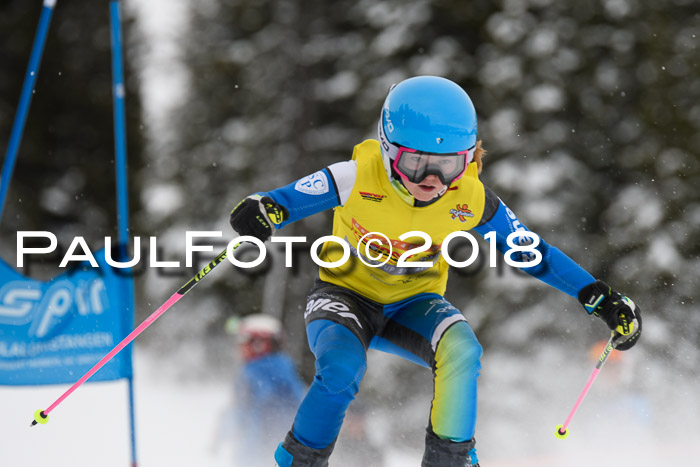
{"x":383,"y":266}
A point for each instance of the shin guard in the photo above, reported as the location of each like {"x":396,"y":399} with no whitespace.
{"x":292,"y":453}
{"x":446,"y":453}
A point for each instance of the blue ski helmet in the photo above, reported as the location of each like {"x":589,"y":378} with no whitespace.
{"x":428,"y":114}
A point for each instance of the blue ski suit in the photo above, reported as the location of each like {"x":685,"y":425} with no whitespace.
{"x":392,"y":308}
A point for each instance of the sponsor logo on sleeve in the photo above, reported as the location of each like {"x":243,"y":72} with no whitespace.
{"x":314,"y":184}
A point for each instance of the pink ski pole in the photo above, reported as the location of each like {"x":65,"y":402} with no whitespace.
{"x":563,"y":430}
{"x":42,"y":416}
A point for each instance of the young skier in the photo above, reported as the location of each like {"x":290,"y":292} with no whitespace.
{"x":267,"y":391}
{"x":421,"y":175}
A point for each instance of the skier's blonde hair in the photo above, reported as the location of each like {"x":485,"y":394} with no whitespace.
{"x":479,"y":153}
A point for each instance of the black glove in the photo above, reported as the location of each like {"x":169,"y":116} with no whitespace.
{"x":256,"y":216}
{"x":619,"y":313}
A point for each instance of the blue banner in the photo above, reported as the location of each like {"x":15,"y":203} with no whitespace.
{"x":54,"y":332}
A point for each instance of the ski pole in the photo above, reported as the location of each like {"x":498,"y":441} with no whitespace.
{"x":42,"y":416}
{"x":563,"y":430}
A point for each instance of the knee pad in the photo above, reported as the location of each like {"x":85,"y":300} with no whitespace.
{"x":458,"y":351}
{"x":339,"y":372}
{"x":340,"y":357}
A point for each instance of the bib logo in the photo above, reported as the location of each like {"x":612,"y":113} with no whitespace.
{"x":462,"y":213}
{"x":372,"y":196}
{"x":314,"y":184}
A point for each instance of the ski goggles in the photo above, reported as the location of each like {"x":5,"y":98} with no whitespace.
{"x":414,"y":165}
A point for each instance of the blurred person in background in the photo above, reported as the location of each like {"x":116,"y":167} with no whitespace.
{"x":266,"y":391}
{"x":422,"y":174}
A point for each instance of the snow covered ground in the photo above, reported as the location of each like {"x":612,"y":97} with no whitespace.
{"x":178,"y":420}
{"x":175,"y":424}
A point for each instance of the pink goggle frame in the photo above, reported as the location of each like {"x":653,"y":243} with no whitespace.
{"x":447,"y":167}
